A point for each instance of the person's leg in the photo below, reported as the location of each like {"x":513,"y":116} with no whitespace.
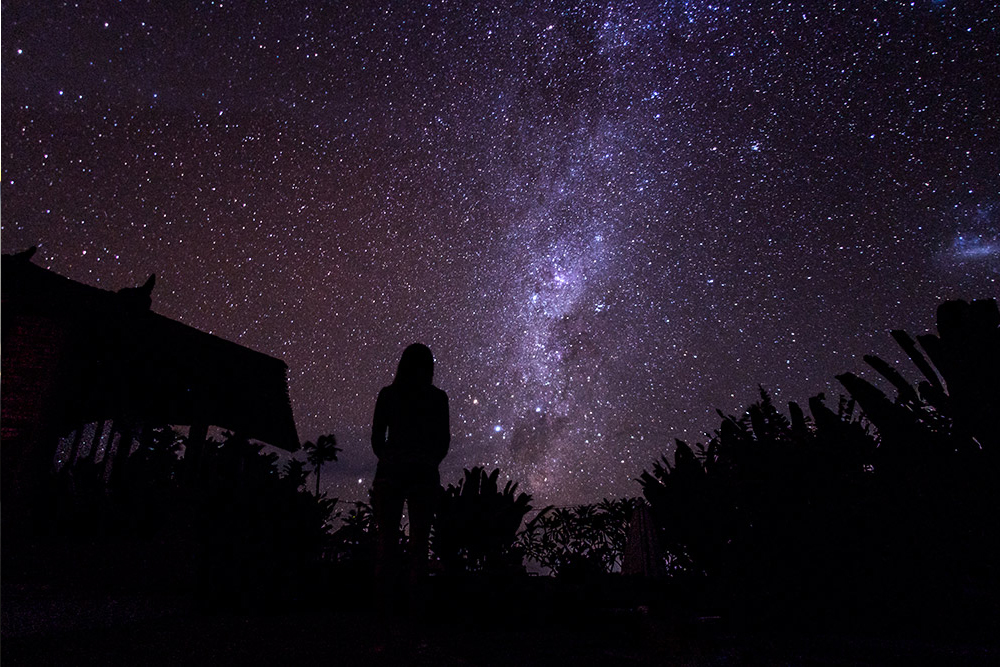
{"x":387,"y":510}
{"x":422,"y":503}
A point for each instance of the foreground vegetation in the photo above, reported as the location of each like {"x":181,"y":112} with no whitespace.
{"x":877,"y":507}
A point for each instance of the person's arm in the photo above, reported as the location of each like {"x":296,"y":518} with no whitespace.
{"x":379,"y":424}
{"x":443,"y":430}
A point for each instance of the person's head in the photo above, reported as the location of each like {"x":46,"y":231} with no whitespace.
{"x":416,"y":366}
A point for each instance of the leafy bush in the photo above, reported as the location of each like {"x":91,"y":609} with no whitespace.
{"x":896,"y":505}
{"x":578,"y":541}
{"x":477,"y":524}
{"x":249,"y":534}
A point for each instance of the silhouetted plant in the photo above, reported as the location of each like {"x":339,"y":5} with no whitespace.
{"x":324,"y":450}
{"x":896,"y":505}
{"x":295,"y":472}
{"x":766,"y":504}
{"x":254,"y":534}
{"x":938,"y":453}
{"x":477,"y":524}
{"x":262,"y":535}
{"x":959,"y":396}
{"x":354,"y":541}
{"x":579,"y":541}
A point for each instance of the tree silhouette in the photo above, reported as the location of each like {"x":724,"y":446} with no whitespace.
{"x":219,"y":518}
{"x":938,"y":455}
{"x":324,"y":450}
{"x":262,"y":537}
{"x":295,"y":472}
{"x":354,"y":541}
{"x":891,"y":509}
{"x":958,"y":398}
{"x":768,"y":503}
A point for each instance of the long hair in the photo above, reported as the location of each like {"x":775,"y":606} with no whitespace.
{"x":416,"y":367}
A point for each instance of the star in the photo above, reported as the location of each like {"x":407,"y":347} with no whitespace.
{"x":605,"y":220}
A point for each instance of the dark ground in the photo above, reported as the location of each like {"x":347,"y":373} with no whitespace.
{"x":122,"y":604}
{"x":83,"y":625}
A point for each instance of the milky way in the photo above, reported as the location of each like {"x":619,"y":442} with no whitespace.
{"x":606,"y":219}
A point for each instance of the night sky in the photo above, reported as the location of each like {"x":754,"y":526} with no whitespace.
{"x":607,"y":219}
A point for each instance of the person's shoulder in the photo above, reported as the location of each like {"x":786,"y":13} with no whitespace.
{"x":438,"y":393}
{"x":386,"y":392}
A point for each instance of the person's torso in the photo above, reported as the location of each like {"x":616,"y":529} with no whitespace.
{"x":413,"y":423}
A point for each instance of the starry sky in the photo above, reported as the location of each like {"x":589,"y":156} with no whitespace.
{"x":607,"y":219}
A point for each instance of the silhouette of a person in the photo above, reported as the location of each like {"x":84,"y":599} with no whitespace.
{"x":410,"y":436}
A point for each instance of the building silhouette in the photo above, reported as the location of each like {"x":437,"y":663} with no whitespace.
{"x":82,"y":362}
